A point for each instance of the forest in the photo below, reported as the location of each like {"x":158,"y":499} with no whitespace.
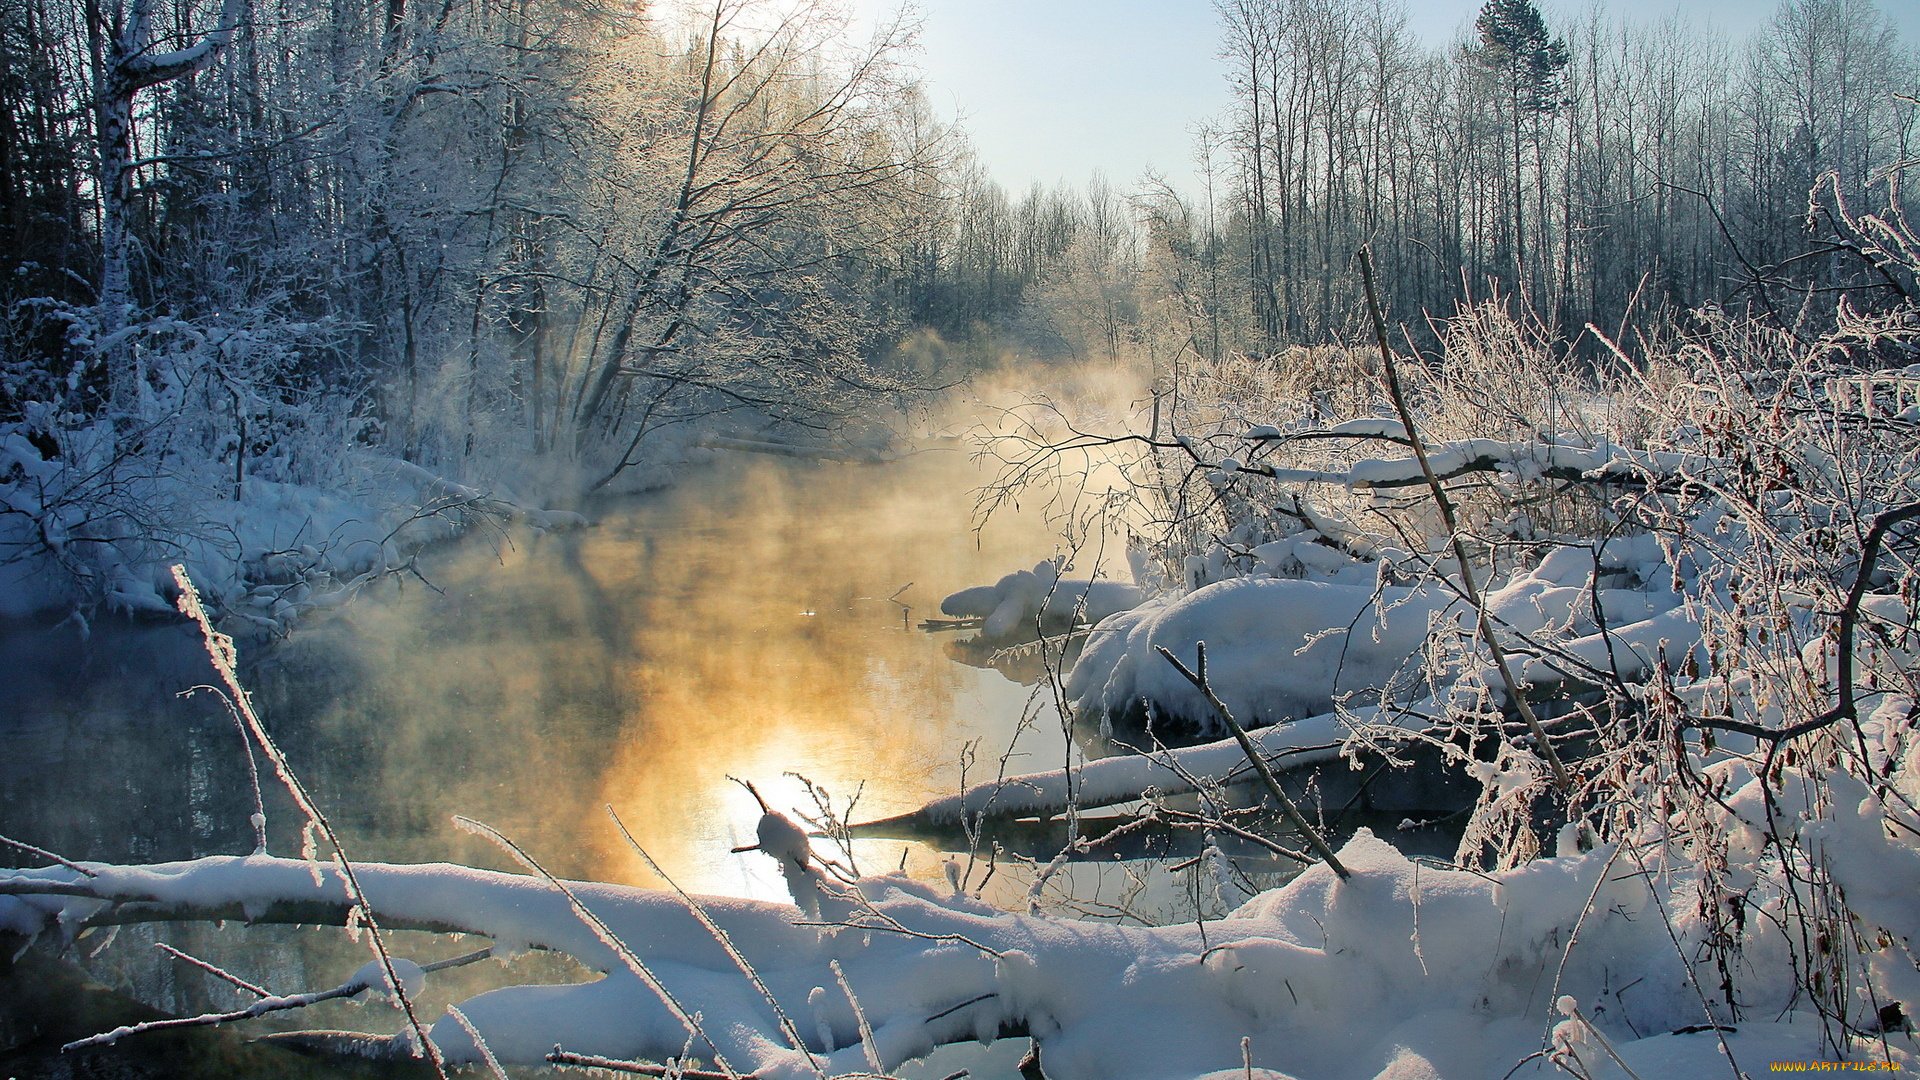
{"x":515,"y":243}
{"x":1518,"y":438}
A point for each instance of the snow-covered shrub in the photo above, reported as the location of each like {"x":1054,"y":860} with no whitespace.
{"x":1698,"y":560}
{"x":231,"y":456}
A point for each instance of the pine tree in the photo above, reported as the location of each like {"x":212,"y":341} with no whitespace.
{"x":1528,"y":62}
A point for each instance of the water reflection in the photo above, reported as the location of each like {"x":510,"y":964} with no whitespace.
{"x":761,"y":619}
{"x":758,"y":621}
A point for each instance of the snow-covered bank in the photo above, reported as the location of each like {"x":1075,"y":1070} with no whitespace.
{"x":280,"y":493}
{"x":219,"y":451}
{"x":265,"y":550}
{"x":1404,"y":970}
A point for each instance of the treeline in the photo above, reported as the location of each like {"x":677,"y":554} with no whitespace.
{"x":1602,"y":172}
{"x":1578,"y":172}
{"x":513,"y":227}
{"x":465,"y":226}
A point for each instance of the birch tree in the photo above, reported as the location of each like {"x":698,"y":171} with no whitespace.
{"x":122,"y":41}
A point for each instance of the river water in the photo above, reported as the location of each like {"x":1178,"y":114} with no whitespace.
{"x":759,"y":620}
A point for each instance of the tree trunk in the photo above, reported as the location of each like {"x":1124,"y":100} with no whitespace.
{"x":120,"y":43}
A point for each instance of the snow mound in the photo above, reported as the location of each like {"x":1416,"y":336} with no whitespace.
{"x":1026,"y":597}
{"x":1283,"y":648}
{"x":1277,"y":649}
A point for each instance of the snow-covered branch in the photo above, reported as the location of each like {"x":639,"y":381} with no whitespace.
{"x":1322,"y":971}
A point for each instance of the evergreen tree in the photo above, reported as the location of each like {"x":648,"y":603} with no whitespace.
{"x":1528,"y":62}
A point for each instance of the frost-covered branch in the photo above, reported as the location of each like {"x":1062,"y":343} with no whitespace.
{"x":1197,"y":675}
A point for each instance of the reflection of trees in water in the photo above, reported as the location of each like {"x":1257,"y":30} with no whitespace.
{"x":1025,"y":662}
{"x":104,"y":759}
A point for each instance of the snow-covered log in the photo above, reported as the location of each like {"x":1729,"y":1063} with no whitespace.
{"x":1403,"y":970}
{"x":1522,"y":460}
{"x":1302,"y":744}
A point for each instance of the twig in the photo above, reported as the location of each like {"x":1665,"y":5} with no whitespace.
{"x":1850,"y":614}
{"x":603,"y":932}
{"x":859,"y":1017}
{"x":226,"y":660}
{"x":259,"y":1008}
{"x":951,"y":1009}
{"x":1686,"y":965}
{"x":462,"y":960}
{"x":1847,"y":707}
{"x":1080,"y":845}
{"x":1299,"y":821}
{"x":1605,"y":1043}
{"x":726,"y":942}
{"x":45,"y":854}
{"x":642,"y":1068}
{"x":639,"y":1068}
{"x":1448,"y":519}
{"x":213,"y":970}
{"x":1245,"y":834}
{"x":1573,"y":938}
{"x":893,"y":926}
{"x":486,"y":1052}
{"x":259,"y":817}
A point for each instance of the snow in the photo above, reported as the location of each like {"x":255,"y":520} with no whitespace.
{"x":1277,"y":649}
{"x":277,"y":502}
{"x":1680,"y":947}
{"x":1404,"y":970}
{"x":280,"y":549}
{"x":373,"y":975}
{"x":1408,"y":969}
{"x":1020,"y":600}
{"x":1371,"y":426}
{"x":1282,"y":648}
{"x":1106,"y":781}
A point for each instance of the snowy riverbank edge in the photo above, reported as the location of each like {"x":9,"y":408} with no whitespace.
{"x":1404,"y":971}
{"x":265,"y":554}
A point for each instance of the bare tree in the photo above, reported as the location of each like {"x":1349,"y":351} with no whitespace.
{"x":122,"y":40}
{"x":788,"y":178}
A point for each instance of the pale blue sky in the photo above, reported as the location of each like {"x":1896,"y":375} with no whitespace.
{"x":1052,"y":90}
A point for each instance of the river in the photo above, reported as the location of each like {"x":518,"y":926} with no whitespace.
{"x":759,"y":620}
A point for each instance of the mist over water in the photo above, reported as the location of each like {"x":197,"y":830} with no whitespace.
{"x":760,"y":618}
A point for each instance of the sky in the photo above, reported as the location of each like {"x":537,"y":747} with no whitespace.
{"x":1054,"y":90}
